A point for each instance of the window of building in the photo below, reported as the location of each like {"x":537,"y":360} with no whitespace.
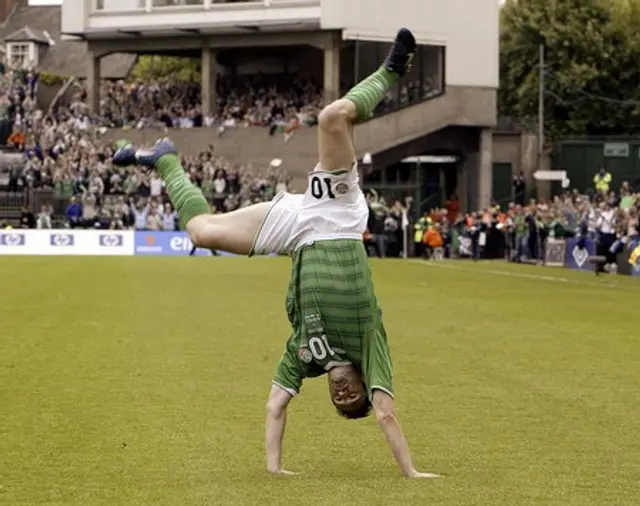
{"x":21,"y":54}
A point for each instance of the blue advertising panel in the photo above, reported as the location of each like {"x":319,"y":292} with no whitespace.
{"x":165,"y":244}
{"x":577,"y":258}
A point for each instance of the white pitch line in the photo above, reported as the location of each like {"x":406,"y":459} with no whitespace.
{"x":496,"y":272}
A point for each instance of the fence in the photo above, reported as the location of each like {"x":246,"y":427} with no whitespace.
{"x":11,"y":202}
{"x":97,"y":243}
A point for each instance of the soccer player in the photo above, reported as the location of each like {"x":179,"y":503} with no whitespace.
{"x":337,"y":324}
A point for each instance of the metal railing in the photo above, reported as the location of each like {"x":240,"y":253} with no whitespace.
{"x":12,"y":202}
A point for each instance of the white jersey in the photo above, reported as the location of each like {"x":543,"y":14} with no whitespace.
{"x":333,"y":207}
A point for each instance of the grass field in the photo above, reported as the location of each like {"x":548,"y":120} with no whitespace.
{"x":142,"y":381}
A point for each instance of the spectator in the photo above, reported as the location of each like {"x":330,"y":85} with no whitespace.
{"x":602,"y":181}
{"x":434,"y":242}
{"x":375,"y":224}
{"x":420,"y":228}
{"x":169,"y":218}
{"x":27,"y":219}
{"x":453,"y":208}
{"x":155,"y":186}
{"x":606,"y":226}
{"x":89,"y":210}
{"x":140,"y":210}
{"x":519,"y":189}
{"x":219,"y":187}
{"x":153,"y":220}
{"x":74,"y":213}
{"x":44,"y":218}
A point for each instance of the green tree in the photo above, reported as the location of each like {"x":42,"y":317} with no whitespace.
{"x":165,"y":67}
{"x":592,"y":70}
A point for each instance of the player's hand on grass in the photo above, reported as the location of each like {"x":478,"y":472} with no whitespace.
{"x":282,"y":472}
{"x":418,"y":474}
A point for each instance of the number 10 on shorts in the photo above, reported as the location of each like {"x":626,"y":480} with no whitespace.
{"x":320,"y":348}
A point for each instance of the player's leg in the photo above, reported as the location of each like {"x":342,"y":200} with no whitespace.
{"x":335,"y":122}
{"x":233,"y":232}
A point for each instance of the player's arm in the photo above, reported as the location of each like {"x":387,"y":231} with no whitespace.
{"x":378,"y":376}
{"x":274,"y":428}
{"x":385,"y":412}
{"x":286,"y":384}
{"x":387,"y":419}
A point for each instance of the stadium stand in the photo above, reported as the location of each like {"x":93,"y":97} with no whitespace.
{"x":250,"y":117}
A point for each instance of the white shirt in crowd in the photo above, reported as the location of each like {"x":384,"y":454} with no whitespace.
{"x":185,"y":122}
{"x":592,"y":221}
{"x":219,"y":185}
{"x":44,"y":221}
{"x":140,"y":217}
{"x":82,"y":123}
{"x":606,"y":221}
{"x":168,"y":220}
{"x":155,"y":186}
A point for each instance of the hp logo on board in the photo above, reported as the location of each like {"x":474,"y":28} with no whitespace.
{"x":61,"y":240}
{"x":12,"y":239}
{"x":111,"y":240}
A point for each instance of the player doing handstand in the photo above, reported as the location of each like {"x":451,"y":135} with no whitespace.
{"x":336,"y":323}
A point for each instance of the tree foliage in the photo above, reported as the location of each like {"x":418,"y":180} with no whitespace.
{"x":165,"y":67}
{"x":592,"y":64}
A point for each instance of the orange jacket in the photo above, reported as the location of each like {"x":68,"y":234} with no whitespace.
{"x":433,"y":238}
{"x":16,"y":138}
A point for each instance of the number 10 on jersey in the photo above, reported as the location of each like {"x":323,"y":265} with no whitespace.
{"x":321,"y":187}
{"x":320,"y":348}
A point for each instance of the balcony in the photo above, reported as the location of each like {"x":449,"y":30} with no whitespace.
{"x":117,"y":18}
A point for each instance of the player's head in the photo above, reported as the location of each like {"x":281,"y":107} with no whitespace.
{"x":348,"y":392}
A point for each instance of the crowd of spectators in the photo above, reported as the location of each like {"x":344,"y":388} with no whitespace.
{"x":63,"y":150}
{"x":280,"y":103}
{"x":88,"y":192}
{"x":519,"y":231}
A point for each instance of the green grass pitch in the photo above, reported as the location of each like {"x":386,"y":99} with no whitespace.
{"x":141,"y":381}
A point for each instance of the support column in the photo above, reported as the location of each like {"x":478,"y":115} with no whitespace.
{"x":543,"y":188}
{"x":469,"y":183}
{"x":208,"y":81}
{"x":463,"y":186}
{"x":485,"y":168}
{"x":332,"y":69}
{"x":93,"y":83}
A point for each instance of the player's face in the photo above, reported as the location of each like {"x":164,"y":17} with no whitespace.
{"x":346,"y":388}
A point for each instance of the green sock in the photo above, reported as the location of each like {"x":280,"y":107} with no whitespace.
{"x":187,"y":199}
{"x":367,"y":94}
